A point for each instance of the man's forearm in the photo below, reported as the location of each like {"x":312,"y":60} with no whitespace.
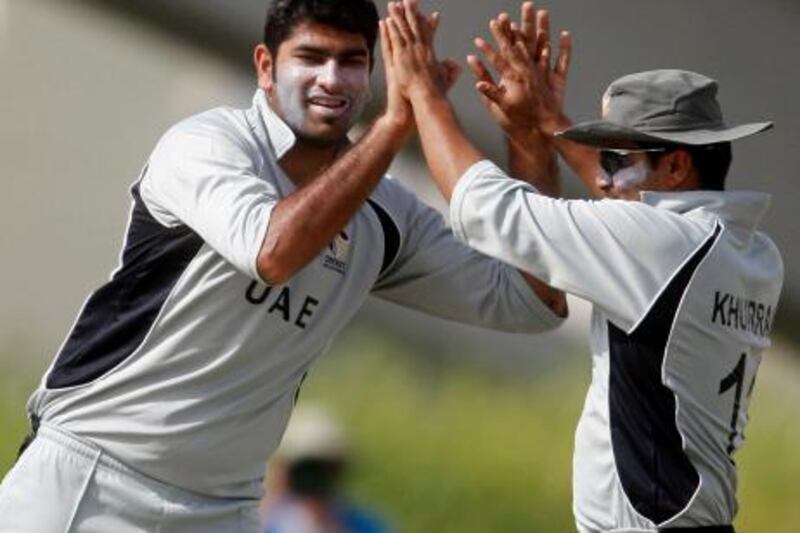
{"x":532,"y":158}
{"x":302,"y":224}
{"x":583,"y":160}
{"x":449,"y":155}
{"x":447,"y":150}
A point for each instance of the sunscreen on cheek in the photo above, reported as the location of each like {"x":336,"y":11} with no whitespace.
{"x":289,"y":93}
{"x":352,"y":83}
{"x":297,"y":85}
{"x":630,"y":177}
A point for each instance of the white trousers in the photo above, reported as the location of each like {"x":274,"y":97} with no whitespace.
{"x":66,"y":484}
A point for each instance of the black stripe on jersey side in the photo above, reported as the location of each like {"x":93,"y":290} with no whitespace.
{"x":116,"y":318}
{"x":656,"y":475}
{"x":391,"y":235}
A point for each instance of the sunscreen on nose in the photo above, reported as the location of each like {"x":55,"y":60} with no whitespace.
{"x":329,"y":72}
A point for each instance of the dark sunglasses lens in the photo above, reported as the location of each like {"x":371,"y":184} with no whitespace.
{"x":613,"y":162}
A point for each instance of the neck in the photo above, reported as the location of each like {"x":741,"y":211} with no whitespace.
{"x":304,"y":162}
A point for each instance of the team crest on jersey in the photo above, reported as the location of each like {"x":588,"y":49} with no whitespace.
{"x":338,"y":253}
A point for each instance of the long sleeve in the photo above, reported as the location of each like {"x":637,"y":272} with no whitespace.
{"x":615,"y":254}
{"x":434,"y":273}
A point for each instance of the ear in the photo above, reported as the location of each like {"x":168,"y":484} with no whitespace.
{"x":263,"y":61}
{"x":680,"y":170}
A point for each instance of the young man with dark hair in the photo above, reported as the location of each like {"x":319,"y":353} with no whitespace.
{"x":354,"y":16}
{"x":255,"y":236}
{"x":683,"y":285}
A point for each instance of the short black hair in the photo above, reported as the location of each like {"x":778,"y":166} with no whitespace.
{"x":711,"y":161}
{"x":351,"y":16}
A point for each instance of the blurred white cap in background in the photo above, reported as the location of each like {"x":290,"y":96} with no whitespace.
{"x":313,"y":433}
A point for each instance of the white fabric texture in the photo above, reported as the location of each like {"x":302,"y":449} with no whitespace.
{"x":63,"y":483}
{"x":203,"y":399}
{"x":689,"y":265}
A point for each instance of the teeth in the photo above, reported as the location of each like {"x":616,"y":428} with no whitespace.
{"x":328,"y":102}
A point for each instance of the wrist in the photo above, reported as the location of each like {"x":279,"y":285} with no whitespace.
{"x":557,"y":123}
{"x":526,"y":136}
{"x":398,"y":126}
{"x":424,"y":92}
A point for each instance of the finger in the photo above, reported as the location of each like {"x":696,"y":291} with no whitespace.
{"x":399,"y":24}
{"x":433,"y":24}
{"x":517,"y":53}
{"x":428,"y":26}
{"x":452,"y":72}
{"x":491,"y":91}
{"x":386,"y":43}
{"x":521,"y":55}
{"x":528,"y":25}
{"x":504,"y":31}
{"x":412,"y":17}
{"x":501,"y":29}
{"x":542,"y":31}
{"x":395,"y":37}
{"x":479,"y":70}
{"x":516,"y":34}
{"x":544,"y":58}
{"x":490,"y":105}
{"x":501,"y":38}
{"x":564,"y":54}
{"x":494,"y":59}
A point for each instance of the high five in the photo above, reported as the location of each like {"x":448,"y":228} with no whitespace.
{"x":671,"y":377}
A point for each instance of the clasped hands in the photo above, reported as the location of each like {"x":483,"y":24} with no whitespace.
{"x":527,"y":95}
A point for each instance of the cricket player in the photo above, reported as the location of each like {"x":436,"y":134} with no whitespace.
{"x":254,"y":237}
{"x":683,"y":285}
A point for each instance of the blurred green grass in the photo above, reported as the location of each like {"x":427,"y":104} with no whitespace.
{"x":453,"y":448}
{"x":17,"y":381}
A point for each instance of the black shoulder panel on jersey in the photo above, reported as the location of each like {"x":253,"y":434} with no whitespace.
{"x":116,"y":318}
{"x":657,"y":476}
{"x":391,"y":235}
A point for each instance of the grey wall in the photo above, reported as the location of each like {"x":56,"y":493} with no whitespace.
{"x":84,"y":95}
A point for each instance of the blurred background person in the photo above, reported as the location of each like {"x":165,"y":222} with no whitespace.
{"x":304,"y":481}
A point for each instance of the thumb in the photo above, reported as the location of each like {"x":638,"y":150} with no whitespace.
{"x":492,"y":92}
{"x":451,"y":72}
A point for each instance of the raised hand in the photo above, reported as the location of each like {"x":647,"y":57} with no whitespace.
{"x":554,"y":77}
{"x":398,"y":108}
{"x":529,"y":93}
{"x":408,"y":39}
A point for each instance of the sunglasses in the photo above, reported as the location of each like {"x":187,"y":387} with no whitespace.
{"x":612,"y":161}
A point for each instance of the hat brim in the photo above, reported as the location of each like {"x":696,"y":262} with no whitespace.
{"x":604,"y":134}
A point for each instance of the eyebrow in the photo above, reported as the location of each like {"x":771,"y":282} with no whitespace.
{"x":346,"y":53}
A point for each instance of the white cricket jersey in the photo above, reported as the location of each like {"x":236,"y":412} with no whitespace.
{"x":684,"y":290}
{"x":184,"y":365}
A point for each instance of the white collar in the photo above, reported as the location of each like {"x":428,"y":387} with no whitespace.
{"x":276,"y":131}
{"x":738,"y":207}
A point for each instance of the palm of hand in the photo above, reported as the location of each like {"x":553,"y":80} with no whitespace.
{"x":519,"y":99}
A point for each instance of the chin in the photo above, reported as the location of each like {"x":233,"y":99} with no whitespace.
{"x":322,"y":137}
{"x":321,"y":141}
